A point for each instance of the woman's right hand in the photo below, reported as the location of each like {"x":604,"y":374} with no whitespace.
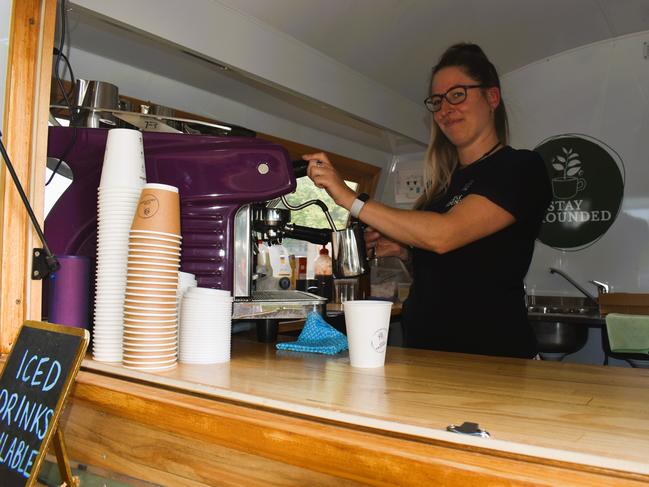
{"x":378,"y":245}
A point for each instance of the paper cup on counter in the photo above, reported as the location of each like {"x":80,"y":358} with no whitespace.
{"x":368,"y":323}
{"x":158,"y":209}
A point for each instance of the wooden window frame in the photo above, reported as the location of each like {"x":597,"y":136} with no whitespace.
{"x":27,"y":94}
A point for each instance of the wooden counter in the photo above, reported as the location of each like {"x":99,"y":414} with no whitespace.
{"x":294,"y":418}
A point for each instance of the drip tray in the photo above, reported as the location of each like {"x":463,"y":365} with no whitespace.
{"x":280,"y":305}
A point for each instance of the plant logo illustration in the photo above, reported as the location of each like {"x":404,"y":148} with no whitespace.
{"x":567,"y":184}
{"x":380,"y":340}
{"x":587,"y":179}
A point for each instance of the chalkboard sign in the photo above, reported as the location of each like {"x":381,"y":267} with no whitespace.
{"x":35,"y":382}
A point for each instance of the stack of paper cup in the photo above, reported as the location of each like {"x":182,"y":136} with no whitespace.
{"x":122,"y":177}
{"x":205,"y":326}
{"x":185,"y":281}
{"x":150,"y":307}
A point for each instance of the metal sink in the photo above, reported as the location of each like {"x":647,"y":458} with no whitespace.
{"x":563,"y":308}
{"x":559,"y":336}
{"x":561,"y":323}
{"x":558,"y":310}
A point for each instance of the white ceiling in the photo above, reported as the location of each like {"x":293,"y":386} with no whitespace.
{"x":396,"y":42}
{"x":357,"y":69}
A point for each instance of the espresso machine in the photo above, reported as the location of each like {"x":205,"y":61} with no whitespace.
{"x":228,"y":187}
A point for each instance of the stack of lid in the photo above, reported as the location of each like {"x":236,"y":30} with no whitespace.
{"x":150,"y":307}
{"x":185,"y":281}
{"x":205,"y":326}
{"x":122,"y":178}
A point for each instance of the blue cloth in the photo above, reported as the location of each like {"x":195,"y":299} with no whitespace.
{"x":317,"y":336}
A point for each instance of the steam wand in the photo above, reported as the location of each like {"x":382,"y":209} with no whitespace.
{"x":321,"y":204}
{"x":51,"y":264}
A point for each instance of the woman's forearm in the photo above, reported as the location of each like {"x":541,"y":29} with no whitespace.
{"x":409,"y":228}
{"x":473,"y":218}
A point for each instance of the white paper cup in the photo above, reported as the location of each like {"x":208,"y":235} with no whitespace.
{"x":123,"y":160}
{"x":119,"y":191}
{"x":368,"y":323}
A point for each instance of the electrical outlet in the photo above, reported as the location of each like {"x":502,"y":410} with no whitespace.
{"x":413,"y":186}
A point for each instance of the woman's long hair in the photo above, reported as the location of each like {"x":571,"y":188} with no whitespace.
{"x":441,"y":155}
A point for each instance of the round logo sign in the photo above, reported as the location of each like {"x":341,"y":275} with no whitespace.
{"x":148,"y":206}
{"x":380,"y":340}
{"x":587,"y":188}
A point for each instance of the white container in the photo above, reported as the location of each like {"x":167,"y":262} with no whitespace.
{"x":123,"y":160}
{"x":368,"y":323}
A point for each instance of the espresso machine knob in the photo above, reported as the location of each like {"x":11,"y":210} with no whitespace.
{"x":284,"y":283}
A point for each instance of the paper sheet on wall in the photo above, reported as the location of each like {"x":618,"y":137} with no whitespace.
{"x":408,"y":186}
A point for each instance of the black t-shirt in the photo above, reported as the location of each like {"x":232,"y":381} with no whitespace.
{"x":471,"y":299}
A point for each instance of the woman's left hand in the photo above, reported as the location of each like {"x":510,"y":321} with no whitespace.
{"x":325,"y":176}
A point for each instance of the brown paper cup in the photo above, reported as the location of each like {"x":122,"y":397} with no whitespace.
{"x":158,"y":209}
{"x":169,"y":341}
{"x":162,"y":292}
{"x":146,"y":358}
{"x":151,"y":280}
{"x":153,"y":257}
{"x":152,"y":241}
{"x":152,"y":334}
{"x":163,"y":268}
{"x":151,"y":301}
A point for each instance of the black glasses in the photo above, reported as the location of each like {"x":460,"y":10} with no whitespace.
{"x":454,"y":95}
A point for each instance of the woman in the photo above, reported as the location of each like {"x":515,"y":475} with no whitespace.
{"x":471,"y":236}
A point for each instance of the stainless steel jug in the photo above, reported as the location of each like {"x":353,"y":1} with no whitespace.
{"x":348,"y":245}
{"x":90,"y":97}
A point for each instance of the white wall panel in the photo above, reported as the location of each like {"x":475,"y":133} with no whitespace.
{"x":600,"y":90}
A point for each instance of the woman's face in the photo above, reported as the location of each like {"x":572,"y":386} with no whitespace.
{"x":469,"y":121}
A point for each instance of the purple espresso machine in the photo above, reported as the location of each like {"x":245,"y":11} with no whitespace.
{"x":224,"y":185}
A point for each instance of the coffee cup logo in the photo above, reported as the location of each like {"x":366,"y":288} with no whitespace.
{"x":148,"y":206}
{"x":587,"y":179}
{"x":567,"y":185}
{"x":380,"y":340}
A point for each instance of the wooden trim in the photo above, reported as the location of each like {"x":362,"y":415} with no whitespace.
{"x":142,"y":431}
{"x":25,"y":128}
